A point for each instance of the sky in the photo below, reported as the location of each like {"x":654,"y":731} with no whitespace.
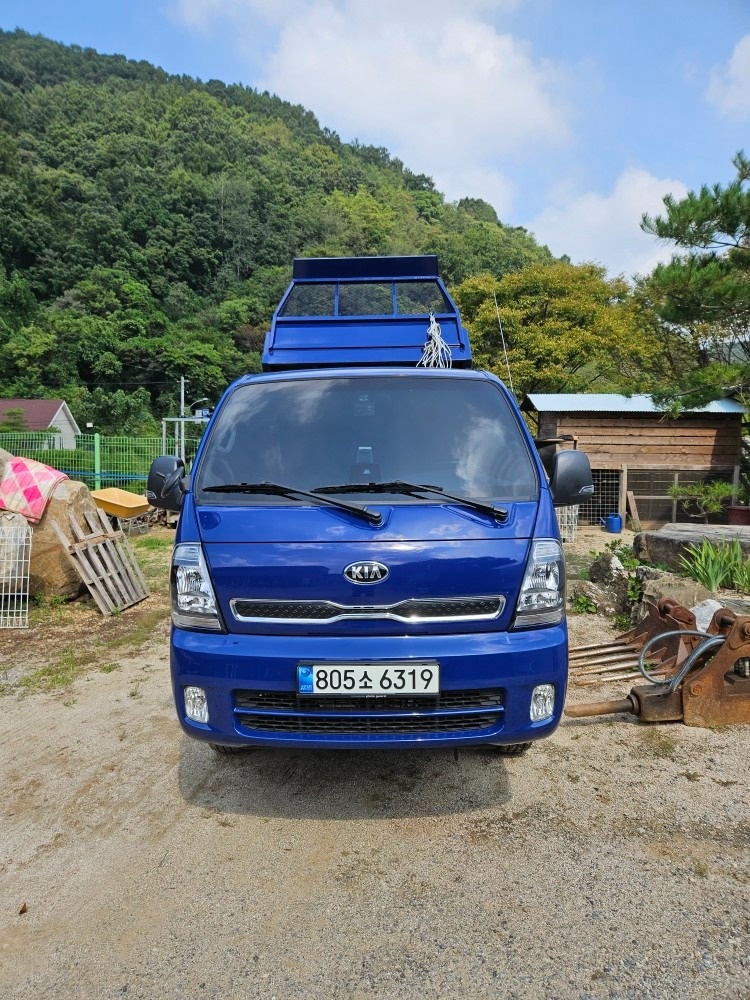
{"x":571,"y":117}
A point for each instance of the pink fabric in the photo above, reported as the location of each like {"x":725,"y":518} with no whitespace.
{"x":26,"y":486}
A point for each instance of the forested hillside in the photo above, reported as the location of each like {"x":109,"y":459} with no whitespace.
{"x":148,"y":223}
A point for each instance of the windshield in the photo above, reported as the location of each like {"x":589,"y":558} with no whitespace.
{"x":458,"y":434}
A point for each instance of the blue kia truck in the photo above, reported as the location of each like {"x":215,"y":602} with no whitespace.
{"x":367,"y":553}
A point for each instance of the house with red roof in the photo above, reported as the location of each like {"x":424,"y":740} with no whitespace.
{"x":45,"y":414}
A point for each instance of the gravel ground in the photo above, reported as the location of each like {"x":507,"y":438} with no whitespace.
{"x":613,"y":860}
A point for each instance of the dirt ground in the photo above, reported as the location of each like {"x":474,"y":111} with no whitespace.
{"x":613,"y":860}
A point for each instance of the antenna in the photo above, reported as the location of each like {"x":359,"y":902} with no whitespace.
{"x":505,"y":350}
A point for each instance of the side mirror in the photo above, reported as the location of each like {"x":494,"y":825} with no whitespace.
{"x":571,"y":481}
{"x":165,"y":480}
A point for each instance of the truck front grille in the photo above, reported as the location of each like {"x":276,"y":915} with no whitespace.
{"x":257,"y":712}
{"x":257,"y":724}
{"x":415,"y":609}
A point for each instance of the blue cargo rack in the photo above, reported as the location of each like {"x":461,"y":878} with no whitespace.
{"x":362,"y":311}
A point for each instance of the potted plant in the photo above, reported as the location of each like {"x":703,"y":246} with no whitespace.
{"x":739,"y":511}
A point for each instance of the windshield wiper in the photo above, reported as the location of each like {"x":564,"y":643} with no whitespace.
{"x":398,"y":486}
{"x":275,"y":489}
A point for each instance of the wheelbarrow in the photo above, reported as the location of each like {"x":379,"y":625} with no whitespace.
{"x":126,"y":510}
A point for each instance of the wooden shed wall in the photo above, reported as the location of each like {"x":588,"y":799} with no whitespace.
{"x":644,"y":441}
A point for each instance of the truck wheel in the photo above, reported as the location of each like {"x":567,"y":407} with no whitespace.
{"x":219,"y":748}
{"x":511,"y":749}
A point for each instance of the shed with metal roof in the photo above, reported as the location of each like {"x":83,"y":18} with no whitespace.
{"x":635,"y":447}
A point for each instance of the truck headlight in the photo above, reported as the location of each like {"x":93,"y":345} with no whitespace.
{"x":193,"y":599}
{"x":542,"y":597}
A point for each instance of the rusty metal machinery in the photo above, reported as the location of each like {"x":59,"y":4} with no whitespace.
{"x":667,"y":622}
{"x":699,"y":678}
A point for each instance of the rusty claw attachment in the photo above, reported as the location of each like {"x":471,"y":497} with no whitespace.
{"x":664,"y":625}
{"x":700,"y":678}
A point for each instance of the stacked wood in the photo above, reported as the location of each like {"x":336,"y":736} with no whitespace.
{"x":104,"y":561}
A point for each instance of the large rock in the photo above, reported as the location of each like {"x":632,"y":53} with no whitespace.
{"x":704,"y":613}
{"x":668,"y":544}
{"x":685,"y":591}
{"x":611,"y":577}
{"x":52,"y":570}
{"x":596,"y":599}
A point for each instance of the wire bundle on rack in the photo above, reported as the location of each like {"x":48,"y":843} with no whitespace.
{"x":436,"y":353}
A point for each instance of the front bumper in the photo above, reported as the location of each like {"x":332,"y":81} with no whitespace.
{"x":486,"y":684}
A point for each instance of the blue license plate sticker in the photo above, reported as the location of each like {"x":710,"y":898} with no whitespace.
{"x":305,"y":680}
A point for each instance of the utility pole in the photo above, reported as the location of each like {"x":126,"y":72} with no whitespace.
{"x":181,"y":446}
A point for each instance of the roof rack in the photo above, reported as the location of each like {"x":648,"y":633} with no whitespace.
{"x":362,"y":311}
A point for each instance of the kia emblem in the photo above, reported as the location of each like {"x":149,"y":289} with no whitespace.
{"x":366,"y":572}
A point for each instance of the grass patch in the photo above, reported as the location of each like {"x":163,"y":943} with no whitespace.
{"x":46,"y":609}
{"x":43,"y":601}
{"x":138,"y":631}
{"x":152,"y":543}
{"x":657,"y":743}
{"x":57,"y":676}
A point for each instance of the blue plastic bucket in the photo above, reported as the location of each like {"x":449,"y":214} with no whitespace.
{"x":612,"y":523}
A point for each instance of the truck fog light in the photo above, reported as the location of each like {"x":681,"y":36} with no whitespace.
{"x":542,"y":702}
{"x":196,"y":704}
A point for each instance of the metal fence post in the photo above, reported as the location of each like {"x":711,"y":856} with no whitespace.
{"x":97,"y":462}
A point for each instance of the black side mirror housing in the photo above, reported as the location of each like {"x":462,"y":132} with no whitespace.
{"x":571,"y":481}
{"x":165,"y":481}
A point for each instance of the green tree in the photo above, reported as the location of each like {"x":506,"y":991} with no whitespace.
{"x":566,"y":328}
{"x":13,"y":421}
{"x":704,"y":292}
{"x":117,"y":413}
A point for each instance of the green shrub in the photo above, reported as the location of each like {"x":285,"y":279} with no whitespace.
{"x":715,"y":565}
{"x":624,"y":553}
{"x":741,"y":579}
{"x":584,"y":605}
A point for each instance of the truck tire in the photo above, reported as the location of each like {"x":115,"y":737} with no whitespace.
{"x":511,"y":749}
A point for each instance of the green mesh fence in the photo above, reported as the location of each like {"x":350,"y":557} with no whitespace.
{"x":96,"y":460}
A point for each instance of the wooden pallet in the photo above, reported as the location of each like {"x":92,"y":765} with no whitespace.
{"x":105,"y":562}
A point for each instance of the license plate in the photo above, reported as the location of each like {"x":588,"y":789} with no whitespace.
{"x":368,"y":678}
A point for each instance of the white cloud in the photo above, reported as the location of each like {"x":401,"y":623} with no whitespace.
{"x":434,"y":81}
{"x":606,"y":229}
{"x":729,"y":88}
{"x":482,"y":182}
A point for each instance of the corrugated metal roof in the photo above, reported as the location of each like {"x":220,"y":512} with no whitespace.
{"x":613,"y":402}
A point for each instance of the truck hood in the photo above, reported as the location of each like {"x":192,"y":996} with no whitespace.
{"x":259,"y":556}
